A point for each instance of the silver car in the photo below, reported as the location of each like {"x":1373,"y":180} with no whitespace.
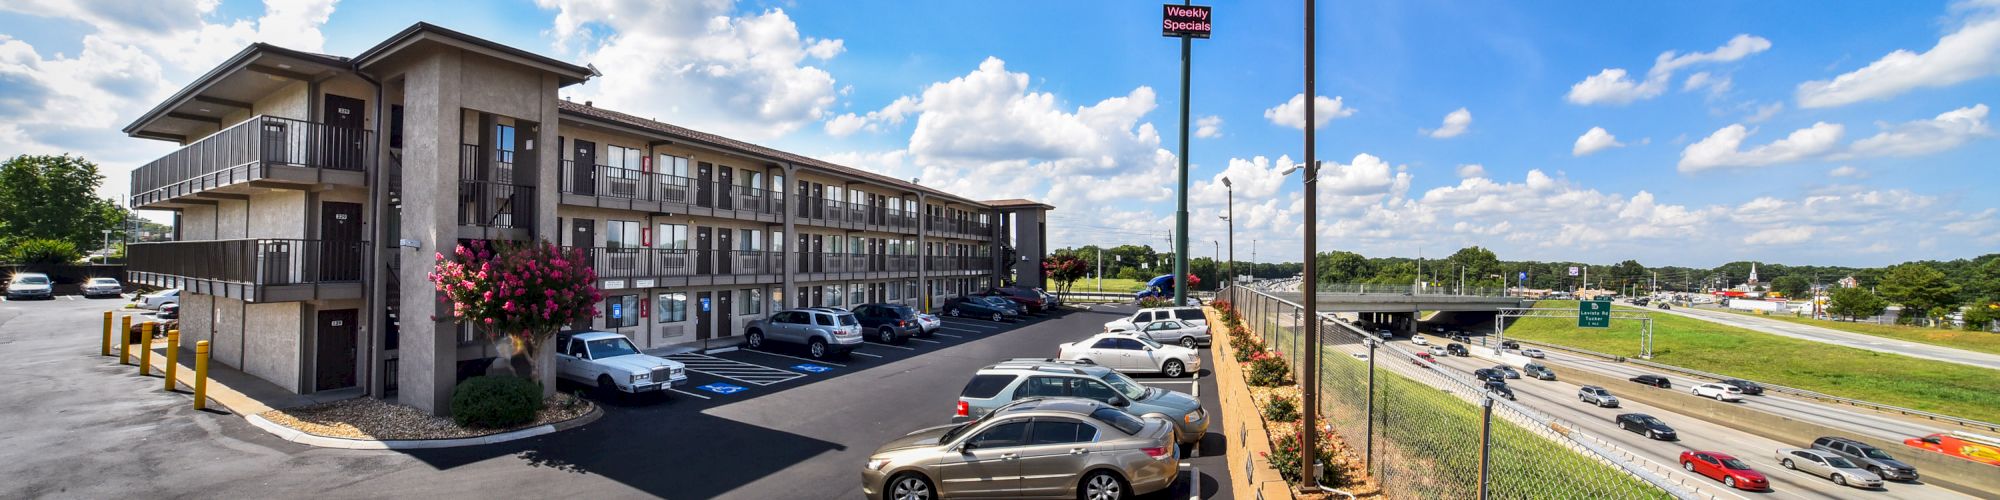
{"x":102,"y":287}
{"x":1173,"y":331}
{"x":824,"y":331}
{"x":1828,"y":465}
{"x":1034,"y":448}
{"x":995,"y":386}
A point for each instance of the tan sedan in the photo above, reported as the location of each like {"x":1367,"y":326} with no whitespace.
{"x":1031,"y":448}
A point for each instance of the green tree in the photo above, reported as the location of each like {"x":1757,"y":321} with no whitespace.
{"x":1985,"y":283}
{"x":1343,"y":267}
{"x":1480,"y":265}
{"x":1064,"y":269}
{"x":43,"y":252}
{"x":1918,"y":288}
{"x":54,"y":197}
{"x":1855,"y":303}
{"x":1791,"y":286}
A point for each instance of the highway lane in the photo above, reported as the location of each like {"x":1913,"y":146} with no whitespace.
{"x":1837,"y":337}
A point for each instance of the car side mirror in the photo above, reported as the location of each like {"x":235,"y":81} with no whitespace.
{"x":1120,"y":401}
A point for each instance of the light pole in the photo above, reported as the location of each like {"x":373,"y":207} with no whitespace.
{"x":1308,"y":442}
{"x":1231,"y":219}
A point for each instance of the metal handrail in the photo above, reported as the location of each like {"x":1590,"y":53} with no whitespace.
{"x":257,"y":141}
{"x":260,"y":261}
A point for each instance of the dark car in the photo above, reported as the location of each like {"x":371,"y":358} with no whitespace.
{"x":888,"y":323}
{"x":965,"y":306}
{"x":1664,"y":305}
{"x":1749,"y":388}
{"x":1509,"y":344}
{"x":1653,"y":380}
{"x":1457,"y":349}
{"x":1461,"y":338}
{"x":1499,"y":388}
{"x":1029,"y":298}
{"x":1645,"y":424}
{"x":1488,"y":374}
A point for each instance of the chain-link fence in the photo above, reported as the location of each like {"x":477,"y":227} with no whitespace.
{"x":1422,"y":432}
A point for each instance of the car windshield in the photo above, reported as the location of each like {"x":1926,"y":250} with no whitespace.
{"x":955,"y":431}
{"x":845,"y":319}
{"x":32,"y":280}
{"x":1876,"y":454}
{"x":1124,"y":385}
{"x":605,"y":348}
{"x":1734,"y":464}
{"x":1652,"y":422}
{"x":1839,"y":463}
{"x":1125,"y":422}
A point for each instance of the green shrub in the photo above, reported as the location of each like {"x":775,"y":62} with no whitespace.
{"x":1284,"y":457}
{"x":1269,"y":370}
{"x":1281,"y":410}
{"x":44,"y":251}
{"x":1151,"y":302}
{"x":1248,"y":350}
{"x":495,"y":401}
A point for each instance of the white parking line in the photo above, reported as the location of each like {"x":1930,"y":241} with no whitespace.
{"x":930,"y":341}
{"x":947,"y":335}
{"x":749,"y":373}
{"x":1166,"y":381}
{"x":962,"y":330}
{"x":797,"y":358}
{"x":689,"y":393}
{"x":970,"y":324}
{"x":892,"y":346}
{"x":866,"y":354}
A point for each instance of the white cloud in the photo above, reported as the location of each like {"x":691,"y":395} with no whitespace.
{"x":1724,"y":148}
{"x":1781,"y":236}
{"x":1367,"y":174}
{"x":1594,"y":140}
{"x":1208,"y":127}
{"x":1471,"y":170}
{"x":1292,"y":113}
{"x":1716,"y":84}
{"x":1455,"y":123}
{"x":1614,"y":86}
{"x":1764,"y":112}
{"x":1948,"y":130}
{"x":694,"y":63}
{"x":1256,"y":178}
{"x":1971,"y":52}
{"x":1847,"y":171}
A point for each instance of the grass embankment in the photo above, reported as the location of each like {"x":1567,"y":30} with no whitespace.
{"x":1933,"y":386}
{"x":1111,"y":285}
{"x":1956,"y":339}
{"x":1429,"y":440}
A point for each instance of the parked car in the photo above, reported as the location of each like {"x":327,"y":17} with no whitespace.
{"x":1499,"y":388}
{"x":1718,"y":391}
{"x":1538,"y":371}
{"x":609,"y":362}
{"x":25,"y":286}
{"x":1139,"y":320}
{"x":1133,"y":352}
{"x":156,"y":299}
{"x":1828,"y":465}
{"x":824,"y":333}
{"x":102,"y":287}
{"x":930,"y":323}
{"x":1868,"y":457}
{"x":1419,"y":340}
{"x":1173,"y":331}
{"x":1030,"y":299}
{"x":1722,"y":467}
{"x":994,"y":386}
{"x":1508,"y":371}
{"x":1438,"y":350}
{"x":1597,"y":396}
{"x":160,"y":328}
{"x":1749,"y":388}
{"x":1534,"y":353}
{"x":169,"y":311}
{"x":1066,"y":448}
{"x":1457,"y":349}
{"x":1509,"y":344}
{"x":890,"y":323}
{"x":1653,"y":380}
{"x":1645,"y":424}
{"x":978,"y":307}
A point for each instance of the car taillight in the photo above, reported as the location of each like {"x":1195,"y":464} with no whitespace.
{"x":964,"y":410}
{"x":901,"y":323}
{"x":1159,"y":451}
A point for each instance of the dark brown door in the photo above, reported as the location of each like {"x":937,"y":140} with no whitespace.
{"x":704,"y":249}
{"x":726,"y":178}
{"x":584,"y":234}
{"x":704,"y":317}
{"x":340,"y":241}
{"x":341,"y":140}
{"x":805,"y":201}
{"x":805,"y":253}
{"x":723,"y":314}
{"x":704,"y":188}
{"x":819,"y":254}
{"x":583,"y":168}
{"x":725,"y":249}
{"x":334,"y":366}
{"x":819,"y":201}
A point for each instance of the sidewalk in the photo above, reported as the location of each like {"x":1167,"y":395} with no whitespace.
{"x":229,"y":388}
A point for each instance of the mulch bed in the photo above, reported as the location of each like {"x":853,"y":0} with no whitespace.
{"x":370,"y":418}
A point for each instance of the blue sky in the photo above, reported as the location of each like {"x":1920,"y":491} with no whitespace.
{"x":1844,"y":133}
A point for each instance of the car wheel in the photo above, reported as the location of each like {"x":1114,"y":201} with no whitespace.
{"x":954,"y":312}
{"x":1173,"y":368}
{"x":1689,"y":466}
{"x":817,"y":348}
{"x":887,"y":335}
{"x":1840,"y":479}
{"x":755,"y":340}
{"x":1788,"y":464}
{"x":605,"y":387}
{"x":997,"y":318}
{"x":1650,"y":435}
{"x":1189,"y":342}
{"x":1729,"y":481}
{"x":1101,"y":485}
{"x":909,"y":486}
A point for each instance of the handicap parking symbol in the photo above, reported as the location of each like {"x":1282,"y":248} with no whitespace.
{"x":810,"y":368}
{"x":721,"y":388}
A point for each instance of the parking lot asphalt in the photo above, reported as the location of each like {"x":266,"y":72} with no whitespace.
{"x":750,"y":424}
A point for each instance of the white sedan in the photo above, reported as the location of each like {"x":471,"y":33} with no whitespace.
{"x":1718,"y":391}
{"x":1534,"y":353}
{"x":1419,"y":340}
{"x":1131,"y":352}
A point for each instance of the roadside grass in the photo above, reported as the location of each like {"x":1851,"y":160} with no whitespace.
{"x":1933,"y":386}
{"x":1111,"y":285}
{"x":1956,"y":339}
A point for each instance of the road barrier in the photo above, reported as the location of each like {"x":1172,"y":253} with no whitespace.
{"x":125,"y":340}
{"x":146,"y":349}
{"x":200,"y":374}
{"x":173,"y":356}
{"x":106,"y":350}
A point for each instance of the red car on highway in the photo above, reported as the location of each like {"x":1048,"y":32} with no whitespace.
{"x":1725,"y":468}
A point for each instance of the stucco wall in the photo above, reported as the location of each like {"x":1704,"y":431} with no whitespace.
{"x":278,"y":214}
{"x":198,"y":223}
{"x":272,"y":343}
{"x":227,"y":346}
{"x":196,"y":323}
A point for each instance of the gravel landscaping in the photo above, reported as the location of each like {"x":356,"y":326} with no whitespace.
{"x":370,"y":418}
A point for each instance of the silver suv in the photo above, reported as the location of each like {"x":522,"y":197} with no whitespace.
{"x":995,"y":386}
{"x":1868,"y":457}
{"x":1597,"y":396}
{"x":824,"y":332}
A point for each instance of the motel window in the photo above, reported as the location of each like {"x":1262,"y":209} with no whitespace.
{"x":672,"y":307}
{"x":672,"y":169}
{"x":621,"y":311}
{"x":671,"y":236}
{"x":752,"y":303}
{"x":857,"y":294}
{"x":621,"y":234}
{"x":752,"y":239}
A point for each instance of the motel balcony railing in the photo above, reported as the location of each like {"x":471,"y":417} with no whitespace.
{"x":246,"y":151}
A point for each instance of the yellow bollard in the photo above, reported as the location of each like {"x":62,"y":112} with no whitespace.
{"x":125,"y":341}
{"x":173,"y":356}
{"x":146,"y":349}
{"x":200,"y":374}
{"x":107,"y":333}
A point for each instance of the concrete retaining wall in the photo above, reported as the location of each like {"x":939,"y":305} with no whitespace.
{"x":1965,"y":476}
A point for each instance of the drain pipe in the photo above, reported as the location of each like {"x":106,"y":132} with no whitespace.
{"x":377,"y":293}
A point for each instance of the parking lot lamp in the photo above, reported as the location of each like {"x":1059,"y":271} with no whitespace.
{"x":1231,"y":219}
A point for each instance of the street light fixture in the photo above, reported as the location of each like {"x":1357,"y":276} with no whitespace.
{"x":1231,"y":219}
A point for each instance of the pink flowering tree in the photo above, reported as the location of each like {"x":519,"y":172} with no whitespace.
{"x":523,"y":293}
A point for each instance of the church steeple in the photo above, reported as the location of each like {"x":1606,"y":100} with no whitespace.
{"x":1753,"y":274}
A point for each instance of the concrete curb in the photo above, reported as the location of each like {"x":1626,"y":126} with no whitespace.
{"x":302,"y":437}
{"x":1255,"y":479}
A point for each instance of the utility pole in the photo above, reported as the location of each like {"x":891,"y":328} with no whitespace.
{"x":1231,"y":189}
{"x":1100,"y":269}
{"x":1309,"y":442}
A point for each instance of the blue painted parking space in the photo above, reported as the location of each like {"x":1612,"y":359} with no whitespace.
{"x":721,"y":388}
{"x":810,"y":368}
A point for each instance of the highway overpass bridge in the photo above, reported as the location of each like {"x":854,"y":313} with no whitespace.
{"x":1396,"y":307}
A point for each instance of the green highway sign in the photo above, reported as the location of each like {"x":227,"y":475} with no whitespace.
{"x":1593,"y":314}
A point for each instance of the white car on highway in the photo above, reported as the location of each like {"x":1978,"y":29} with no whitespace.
{"x":1419,"y":340}
{"x":1533,"y":353}
{"x":1718,"y":391}
{"x":1131,"y":352}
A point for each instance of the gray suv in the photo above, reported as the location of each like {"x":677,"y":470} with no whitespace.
{"x":824,"y":332}
{"x":994,"y":386}
{"x":1868,"y":457}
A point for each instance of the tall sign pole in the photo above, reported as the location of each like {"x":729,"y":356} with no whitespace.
{"x":1188,"y":22}
{"x":1309,"y":368}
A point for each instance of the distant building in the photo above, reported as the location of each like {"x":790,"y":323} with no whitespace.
{"x":1850,"y":282}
